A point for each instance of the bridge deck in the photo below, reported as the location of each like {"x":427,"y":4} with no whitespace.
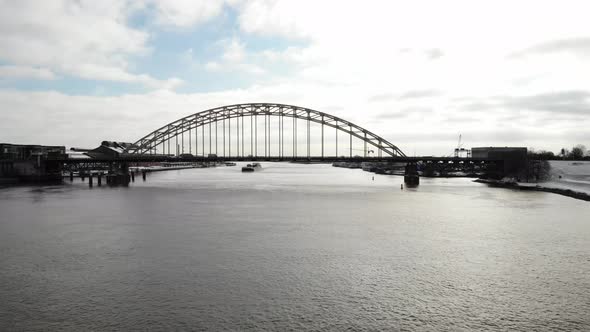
{"x":319,"y":159}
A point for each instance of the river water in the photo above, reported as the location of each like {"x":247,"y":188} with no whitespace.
{"x":292,"y":247}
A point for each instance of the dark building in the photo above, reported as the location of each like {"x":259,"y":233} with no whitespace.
{"x":30,"y":162}
{"x":515,"y":158}
{"x":108,"y":149}
{"x":26,"y":152}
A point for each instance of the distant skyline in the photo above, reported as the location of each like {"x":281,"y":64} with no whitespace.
{"x":419,"y":73}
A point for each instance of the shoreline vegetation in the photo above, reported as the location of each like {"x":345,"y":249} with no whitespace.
{"x":535,"y":187}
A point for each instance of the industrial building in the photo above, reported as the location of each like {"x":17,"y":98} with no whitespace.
{"x":109,"y":149}
{"x":20,"y":163}
{"x":515,"y":158}
{"x":26,"y":152}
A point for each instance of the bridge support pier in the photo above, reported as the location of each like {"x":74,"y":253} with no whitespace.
{"x":99,"y":179}
{"x":90,"y":180}
{"x":118,"y":174}
{"x":411,"y":177}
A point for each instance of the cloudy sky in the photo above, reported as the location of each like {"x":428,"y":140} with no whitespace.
{"x":418,"y":73}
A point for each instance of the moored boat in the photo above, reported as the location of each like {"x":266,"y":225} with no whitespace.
{"x":252,"y":167}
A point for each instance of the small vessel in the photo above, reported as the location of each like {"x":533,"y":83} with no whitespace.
{"x":230,"y":164}
{"x":251,"y":167}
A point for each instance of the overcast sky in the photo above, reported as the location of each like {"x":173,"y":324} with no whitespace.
{"x":419,"y":73}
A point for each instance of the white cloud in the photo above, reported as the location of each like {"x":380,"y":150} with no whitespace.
{"x":284,"y":18}
{"x":186,"y":13}
{"x":26,"y":72}
{"x":394,"y":43}
{"x":87,"y":39}
{"x":234,"y":58}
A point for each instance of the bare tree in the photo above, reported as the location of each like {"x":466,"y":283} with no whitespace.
{"x":578,"y":152}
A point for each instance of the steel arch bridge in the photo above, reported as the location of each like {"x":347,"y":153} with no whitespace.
{"x":159,"y":140}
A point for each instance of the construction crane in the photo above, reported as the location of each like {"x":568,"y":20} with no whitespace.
{"x":460,"y":150}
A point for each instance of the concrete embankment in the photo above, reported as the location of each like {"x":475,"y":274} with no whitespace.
{"x":536,"y":187}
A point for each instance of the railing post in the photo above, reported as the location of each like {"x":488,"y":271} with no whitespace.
{"x":336,"y":138}
{"x":322,"y":136}
{"x":216,"y":135}
{"x":282,"y":132}
{"x":365,"y":145}
{"x":350,"y":141}
{"x":308,"y":137}
{"x":294,"y":134}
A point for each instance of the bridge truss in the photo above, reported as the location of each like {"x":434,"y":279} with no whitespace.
{"x":219,"y":122}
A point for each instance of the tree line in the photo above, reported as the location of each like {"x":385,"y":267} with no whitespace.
{"x":578,"y":152}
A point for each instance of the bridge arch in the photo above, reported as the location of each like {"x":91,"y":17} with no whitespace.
{"x":158,"y":138}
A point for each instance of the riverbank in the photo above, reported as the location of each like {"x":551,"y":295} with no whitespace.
{"x":398,"y":168}
{"x":567,"y":178}
{"x":536,"y":187}
{"x":171,"y":167}
{"x":161,"y":168}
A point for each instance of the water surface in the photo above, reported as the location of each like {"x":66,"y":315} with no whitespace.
{"x":292,"y":247}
